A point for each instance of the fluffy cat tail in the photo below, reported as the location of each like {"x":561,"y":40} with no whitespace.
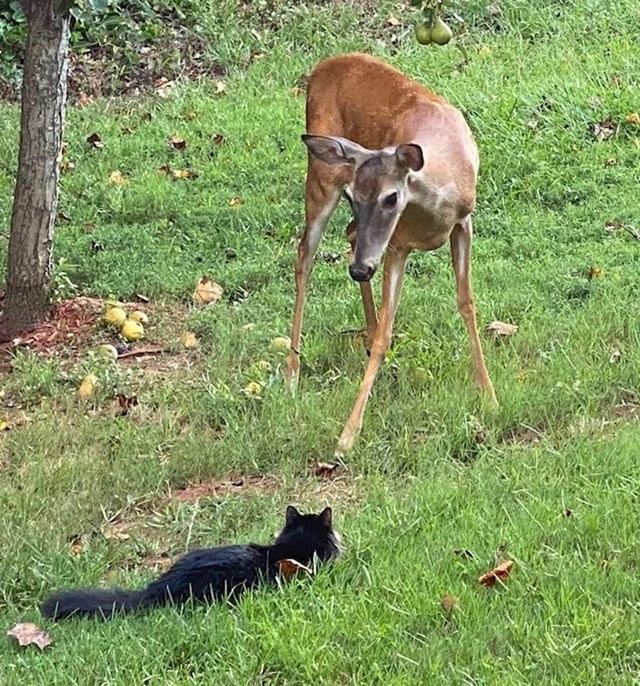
{"x":92,"y":602}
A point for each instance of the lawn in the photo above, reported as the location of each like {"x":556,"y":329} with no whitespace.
{"x":437,"y":489}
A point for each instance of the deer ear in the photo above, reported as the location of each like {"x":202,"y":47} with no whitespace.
{"x":410,"y":155}
{"x":325,"y":516}
{"x":292,"y":515}
{"x":333,"y":150}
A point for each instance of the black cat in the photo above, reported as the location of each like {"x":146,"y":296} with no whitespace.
{"x":212,"y":574}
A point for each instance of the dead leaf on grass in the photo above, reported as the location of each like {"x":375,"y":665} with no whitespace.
{"x":633,"y":118}
{"x":289,"y":568}
{"x":218,"y":139}
{"x":497,"y":328}
{"x":126,"y":403}
{"x":605,"y":129}
{"x":189,"y":339}
{"x":236,"y":202}
{"x":76,"y":549}
{"x":207,"y":291}
{"x":500,"y":573}
{"x":324,"y":470}
{"x":177,"y":173}
{"x":448,"y":603}
{"x":221,"y":87}
{"x":174,"y":141}
{"x":391,"y":21}
{"x":30,"y":634}
{"x":95,"y":141}
{"x":616,"y":355}
{"x":595,"y":273}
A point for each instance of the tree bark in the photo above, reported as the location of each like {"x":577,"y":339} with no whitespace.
{"x":44,"y":96}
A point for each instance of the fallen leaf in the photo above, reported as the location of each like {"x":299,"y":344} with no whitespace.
{"x":4,"y":426}
{"x":289,"y":568}
{"x":499,"y":573}
{"x":253,"y":389}
{"x":595,"y":273}
{"x":616,"y":355}
{"x":633,"y":118}
{"x":66,"y":166}
{"x":325,"y":469}
{"x":218,"y":139}
{"x":497,"y":329}
{"x":611,"y":162}
{"x":392,"y":21}
{"x":236,"y":202}
{"x":494,"y":9}
{"x":30,"y":634}
{"x":87,"y":388}
{"x":126,"y":403}
{"x":296,"y":91}
{"x":207,"y":291}
{"x":63,"y":217}
{"x":248,"y":327}
{"x":448,"y":603}
{"x":77,"y":549}
{"x":177,"y":173}
{"x":118,"y":178}
{"x":603,"y":130}
{"x":176,"y":142}
{"x":189,"y":339}
{"x":95,"y":141}
{"x":221,"y":86}
{"x":138,"y":297}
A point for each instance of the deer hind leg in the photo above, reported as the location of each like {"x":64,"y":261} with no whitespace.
{"x":461,"y":238}
{"x":322,"y":193}
{"x":368,"y":302}
{"x":391,"y":287}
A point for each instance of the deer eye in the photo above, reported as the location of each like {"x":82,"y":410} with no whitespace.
{"x":390,"y":201}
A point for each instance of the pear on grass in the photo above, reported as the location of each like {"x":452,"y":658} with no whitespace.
{"x":441,"y":33}
{"x":132,"y":330}
{"x":115,"y":316}
{"x":87,"y":388}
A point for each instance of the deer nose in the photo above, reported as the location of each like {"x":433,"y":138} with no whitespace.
{"x":361,"y":272}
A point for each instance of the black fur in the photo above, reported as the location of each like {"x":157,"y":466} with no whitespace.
{"x":209,"y":575}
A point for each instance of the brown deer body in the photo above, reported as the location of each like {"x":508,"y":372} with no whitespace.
{"x":407,"y":163}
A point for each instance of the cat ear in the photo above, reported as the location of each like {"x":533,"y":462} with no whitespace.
{"x":325,"y":516}
{"x":292,"y":514}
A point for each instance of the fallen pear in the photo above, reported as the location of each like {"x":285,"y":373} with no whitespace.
{"x":87,"y":388}
{"x":280,"y":344}
{"x":139,"y":316}
{"x":441,"y":33}
{"x":107,"y":350}
{"x":132,"y":330}
{"x":115,"y":316}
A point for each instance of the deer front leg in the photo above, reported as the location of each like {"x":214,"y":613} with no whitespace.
{"x":391,"y":288}
{"x":461,"y":238}
{"x":321,"y":198}
{"x":368,"y":302}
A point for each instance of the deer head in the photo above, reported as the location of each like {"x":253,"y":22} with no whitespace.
{"x":378,"y":192}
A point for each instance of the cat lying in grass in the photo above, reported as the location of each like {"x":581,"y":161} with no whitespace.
{"x":211,"y":574}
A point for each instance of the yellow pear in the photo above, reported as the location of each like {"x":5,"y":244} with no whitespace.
{"x":87,"y":388}
{"x":132,"y":330}
{"x":115,"y":316}
{"x":107,"y":350}
{"x":139,"y":316}
{"x":280,"y":344}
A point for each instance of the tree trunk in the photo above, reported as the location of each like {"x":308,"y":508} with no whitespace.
{"x":44,"y":95}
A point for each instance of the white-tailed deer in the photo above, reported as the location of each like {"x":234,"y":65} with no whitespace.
{"x":407,"y":163}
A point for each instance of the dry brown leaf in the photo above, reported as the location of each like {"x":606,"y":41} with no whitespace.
{"x":207,"y":291}
{"x":633,"y":118}
{"x":118,"y":178}
{"x":448,"y":603}
{"x":126,"y":403}
{"x":392,"y":21}
{"x":176,"y":142}
{"x":221,"y":86}
{"x":603,"y":130}
{"x":595,"y":273}
{"x":189,"y":339}
{"x":499,"y":573}
{"x":496,"y":329}
{"x":324,"y":470}
{"x":77,"y":549}
{"x":236,"y":202}
{"x":296,"y":91}
{"x":289,"y":568}
{"x":95,"y":141}
{"x":616,"y":356}
{"x":30,"y":634}
{"x":218,"y":139}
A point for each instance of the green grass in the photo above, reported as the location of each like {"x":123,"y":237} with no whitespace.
{"x":553,"y":475}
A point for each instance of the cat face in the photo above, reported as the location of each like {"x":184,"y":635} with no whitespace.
{"x":304,"y":536}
